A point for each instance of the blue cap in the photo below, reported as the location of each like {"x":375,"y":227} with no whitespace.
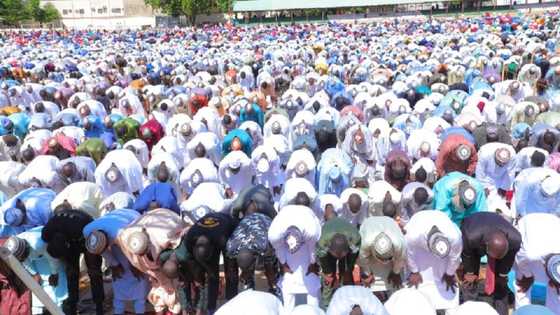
{"x":14,"y":216}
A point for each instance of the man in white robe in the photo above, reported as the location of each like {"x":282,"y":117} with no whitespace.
{"x":537,"y":189}
{"x":352,"y":299}
{"x":199,"y":170}
{"x":416,"y":197}
{"x":301,"y":164}
{"x":538,"y":259}
{"x":355,"y":206}
{"x":236,"y":172}
{"x":495,"y":168}
{"x":294,"y":243}
{"x":434,"y":245}
{"x":383,"y":199}
{"x":409,"y":301}
{"x":119,"y":171}
{"x":267,"y":166}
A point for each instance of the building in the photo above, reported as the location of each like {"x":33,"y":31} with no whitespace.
{"x":106,"y":14}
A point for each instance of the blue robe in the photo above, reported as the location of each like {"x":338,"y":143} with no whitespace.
{"x":334,"y":164}
{"x":38,"y":205}
{"x":163,"y":193}
{"x":21,"y":124}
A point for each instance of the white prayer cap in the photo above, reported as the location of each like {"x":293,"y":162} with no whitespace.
{"x":409,"y":301}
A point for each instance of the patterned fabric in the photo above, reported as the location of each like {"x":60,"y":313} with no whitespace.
{"x":251,"y":234}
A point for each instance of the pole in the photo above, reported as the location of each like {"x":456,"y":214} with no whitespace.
{"x":35,"y":288}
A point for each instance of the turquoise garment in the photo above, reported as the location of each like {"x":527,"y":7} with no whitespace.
{"x":39,"y":262}
{"x":257,"y":115}
{"x":243,"y":136}
{"x":446,"y":188}
{"x":21,"y":124}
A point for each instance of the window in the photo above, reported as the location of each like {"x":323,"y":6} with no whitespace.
{"x":100,"y":11}
{"x":116,"y":10}
{"x":81,"y":11}
{"x":92,"y":10}
{"x":65,"y":12}
{"x":70,"y":11}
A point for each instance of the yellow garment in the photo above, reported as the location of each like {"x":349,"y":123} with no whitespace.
{"x":8,"y":110}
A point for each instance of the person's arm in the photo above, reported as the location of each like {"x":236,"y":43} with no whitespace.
{"x":454,"y":258}
{"x":413,"y":246}
{"x":473,"y":160}
{"x":481,"y":175}
{"x":399,"y":259}
{"x":522,"y":264}
{"x":470,"y":256}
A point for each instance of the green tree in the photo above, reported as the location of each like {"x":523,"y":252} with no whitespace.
{"x":13,"y":12}
{"x":225,"y":6}
{"x":187,"y":8}
{"x":42,"y":14}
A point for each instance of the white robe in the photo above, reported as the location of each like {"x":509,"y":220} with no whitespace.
{"x":415,"y":140}
{"x":292,"y":187}
{"x":539,"y":238}
{"x":208,"y":173}
{"x":210,"y":142}
{"x":297,"y":282}
{"x":9,"y":181}
{"x":376,"y":195}
{"x":206,"y":198}
{"x":305,"y":156}
{"x":131,"y":180}
{"x":267,"y":170}
{"x":431,"y":267}
{"x":43,"y":168}
{"x":347,"y":296}
{"x":142,"y":152}
{"x":470,"y":308}
{"x":252,"y":303}
{"x":491,"y":175}
{"x":409,"y":301}
{"x":242,"y":179}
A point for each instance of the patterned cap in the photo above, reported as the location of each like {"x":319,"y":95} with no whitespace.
{"x":138,"y":242}
{"x":467,"y":193}
{"x":96,"y":242}
{"x":16,"y":246}
{"x":463,"y":152}
{"x":502,"y":155}
{"x":438,"y":243}
{"x":553,"y":267}
{"x":293,"y":239}
{"x":301,"y":169}
{"x":383,"y":247}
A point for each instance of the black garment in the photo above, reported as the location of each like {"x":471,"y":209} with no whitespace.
{"x":480,"y":134}
{"x":475,"y":229}
{"x":260,"y":195}
{"x":70,"y":224}
{"x":217,"y":227}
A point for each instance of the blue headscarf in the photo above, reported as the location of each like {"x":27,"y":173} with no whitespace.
{"x":257,"y":115}
{"x":243,"y":136}
{"x":21,"y":124}
{"x":518,"y":131}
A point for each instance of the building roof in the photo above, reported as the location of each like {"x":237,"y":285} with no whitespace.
{"x":278,"y":5}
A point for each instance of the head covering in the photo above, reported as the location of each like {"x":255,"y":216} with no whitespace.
{"x":438,"y":243}
{"x":16,"y":246}
{"x":96,"y":242}
{"x":383,"y":247}
{"x":502,"y":155}
{"x":467,"y":193}
{"x":553,"y":268}
{"x":138,"y":242}
{"x":550,"y":186}
{"x":14,"y":216}
{"x":463,"y":152}
{"x":293,"y":239}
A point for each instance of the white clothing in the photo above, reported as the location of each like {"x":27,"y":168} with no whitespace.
{"x":244,"y":176}
{"x":376,"y":195}
{"x":489,"y":173}
{"x":301,"y":156}
{"x":354,"y":218}
{"x":197,"y":171}
{"x":252,"y":303}
{"x":347,"y":296}
{"x":129,"y":167}
{"x":470,"y":308}
{"x":409,"y":301}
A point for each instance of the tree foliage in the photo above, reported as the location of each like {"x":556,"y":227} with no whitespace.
{"x":187,"y":8}
{"x":13,"y":12}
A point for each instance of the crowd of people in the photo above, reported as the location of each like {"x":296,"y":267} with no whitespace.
{"x":391,"y":168}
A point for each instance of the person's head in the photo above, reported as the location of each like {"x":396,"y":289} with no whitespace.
{"x":200,"y":150}
{"x":466,"y":193}
{"x":202,"y":249}
{"x":497,"y":245}
{"x":420,"y":175}
{"x":113,"y":174}
{"x":293,"y":239}
{"x":339,"y":246}
{"x":245,"y":259}
{"x":170,"y":267}
{"x":96,"y":242}
{"x":420,"y":196}
{"x":16,"y":216}
{"x":236,"y":144}
{"x":548,"y":140}
{"x":359,"y":136}
{"x":502,"y":156}
{"x":356,"y":310}
{"x":302,"y":199}
{"x":163,"y":173}
{"x":68,"y":169}
{"x":329,"y":212}
{"x":463,"y":152}
{"x":389,"y":208}
{"x":383,"y":248}
{"x":354,"y":203}
{"x":398,"y":170}
{"x":537,"y":159}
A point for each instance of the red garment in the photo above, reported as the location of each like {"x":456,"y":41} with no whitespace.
{"x":490,"y":276}
{"x":10,"y":301}
{"x":392,"y":158}
{"x":65,"y":142}
{"x":156,"y":131}
{"x":354,"y":110}
{"x":447,"y":160}
{"x":197,"y":102}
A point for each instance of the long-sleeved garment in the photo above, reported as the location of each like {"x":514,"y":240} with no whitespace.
{"x":236,"y":171}
{"x":540,"y":238}
{"x":130,"y":180}
{"x":446,"y":192}
{"x":39,"y":262}
{"x":529,"y":187}
{"x":475,"y":229}
{"x":345,"y":298}
{"x":70,"y":224}
{"x":376,"y":196}
{"x":367,"y":261}
{"x":162,"y":193}
{"x":408,"y":203}
{"x":85,"y":196}
{"x":127,"y":287}
{"x":333,"y":171}
{"x":447,"y":160}
{"x":491,"y":175}
{"x":432,"y":268}
{"x":37,"y":202}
